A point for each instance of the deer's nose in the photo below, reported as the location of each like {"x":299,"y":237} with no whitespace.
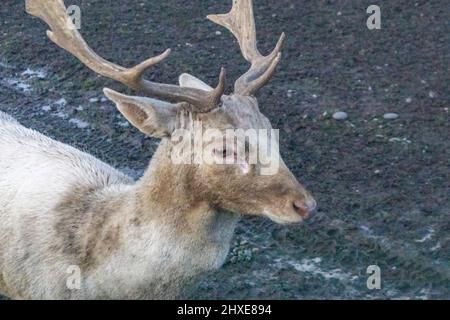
{"x":305,"y":208}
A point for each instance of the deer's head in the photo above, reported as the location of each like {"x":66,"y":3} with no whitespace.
{"x":230,"y":173}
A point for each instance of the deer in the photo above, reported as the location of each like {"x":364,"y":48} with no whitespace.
{"x":144,"y":238}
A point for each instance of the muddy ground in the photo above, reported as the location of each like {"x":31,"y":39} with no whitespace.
{"x":382,"y":185}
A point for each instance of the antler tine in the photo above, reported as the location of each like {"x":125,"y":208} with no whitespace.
{"x":241,"y":22}
{"x":64,"y":34}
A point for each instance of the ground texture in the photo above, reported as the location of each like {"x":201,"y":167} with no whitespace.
{"x":382,"y":185}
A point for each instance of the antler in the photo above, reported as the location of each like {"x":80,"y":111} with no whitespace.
{"x":241,"y":22}
{"x":65,"y":35}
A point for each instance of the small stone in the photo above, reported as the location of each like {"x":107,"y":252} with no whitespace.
{"x":124,"y":124}
{"x":46,"y":108}
{"x":340,"y":115}
{"x":61,"y":102}
{"x":390,"y":116}
{"x":79,"y":123}
{"x":218,"y":33}
{"x":317,"y":260}
{"x":432,"y":94}
{"x":408,"y":100}
{"x":94,"y":100}
{"x":401,"y":140}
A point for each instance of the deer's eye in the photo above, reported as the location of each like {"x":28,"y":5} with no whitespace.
{"x":225,"y":153}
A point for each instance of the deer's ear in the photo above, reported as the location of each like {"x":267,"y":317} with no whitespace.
{"x":188,"y":81}
{"x":152,"y":117}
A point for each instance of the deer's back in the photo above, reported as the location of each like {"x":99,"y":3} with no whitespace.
{"x":34,"y":165}
{"x":36,"y":172}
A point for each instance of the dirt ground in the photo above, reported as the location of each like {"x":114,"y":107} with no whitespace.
{"x":382,"y":185}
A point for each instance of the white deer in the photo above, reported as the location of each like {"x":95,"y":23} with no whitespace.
{"x":60,"y":207}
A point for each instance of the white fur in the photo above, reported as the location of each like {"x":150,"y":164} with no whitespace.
{"x":35,"y":173}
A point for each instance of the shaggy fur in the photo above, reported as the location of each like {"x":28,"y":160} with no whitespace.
{"x":63,"y":210}
{"x":60,"y":207}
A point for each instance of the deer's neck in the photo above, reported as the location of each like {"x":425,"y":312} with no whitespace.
{"x":168,"y":231}
{"x":169,"y":197}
